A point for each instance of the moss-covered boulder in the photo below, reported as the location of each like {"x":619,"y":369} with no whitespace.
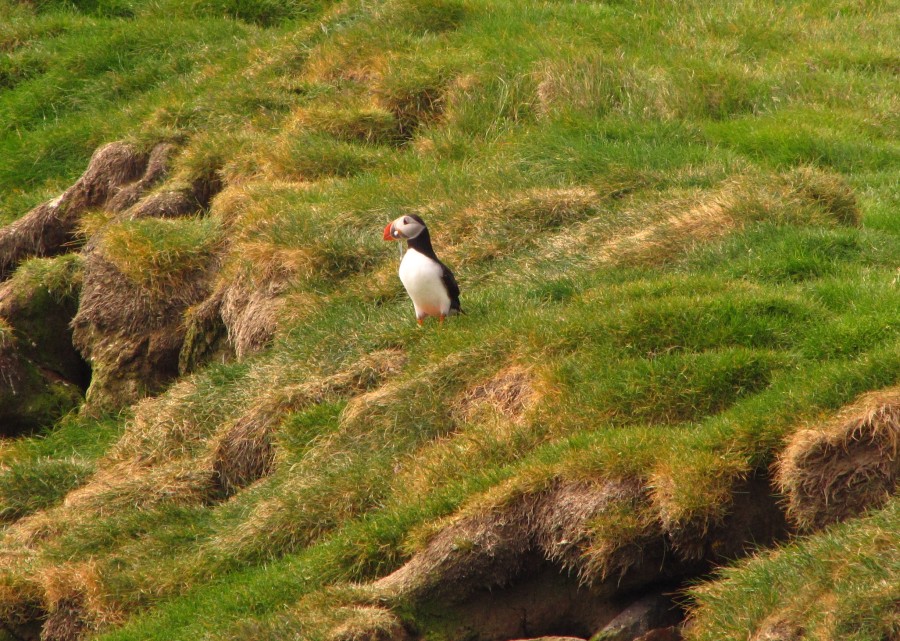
{"x":42,"y":376}
{"x":31,"y":396}
{"x":39,"y":302}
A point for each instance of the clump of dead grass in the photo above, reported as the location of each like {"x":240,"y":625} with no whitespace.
{"x":74,"y":600}
{"x":848,"y":465}
{"x":594,"y":85}
{"x":251,"y":304}
{"x":368,"y":623}
{"x":509,"y":394}
{"x":656,"y":232}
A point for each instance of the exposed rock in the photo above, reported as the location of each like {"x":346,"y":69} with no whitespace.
{"x":648,"y":613}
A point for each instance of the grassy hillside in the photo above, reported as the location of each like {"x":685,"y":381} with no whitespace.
{"x":675,"y":229}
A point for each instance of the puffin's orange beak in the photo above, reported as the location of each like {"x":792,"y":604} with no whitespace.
{"x":387,"y":232}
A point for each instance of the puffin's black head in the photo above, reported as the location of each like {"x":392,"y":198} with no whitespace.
{"x":404,"y":228}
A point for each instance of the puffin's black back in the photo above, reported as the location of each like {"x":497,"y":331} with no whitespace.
{"x":422,"y":244}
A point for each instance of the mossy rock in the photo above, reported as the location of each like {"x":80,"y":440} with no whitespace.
{"x":32,"y":397}
{"x":38,"y":303}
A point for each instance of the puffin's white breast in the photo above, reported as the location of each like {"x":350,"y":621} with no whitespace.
{"x":421,"y":276}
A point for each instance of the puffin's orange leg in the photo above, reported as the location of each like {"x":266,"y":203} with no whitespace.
{"x":419,"y":321}
{"x":441,"y":320}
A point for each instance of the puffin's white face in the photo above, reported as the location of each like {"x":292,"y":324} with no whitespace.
{"x":403,"y":228}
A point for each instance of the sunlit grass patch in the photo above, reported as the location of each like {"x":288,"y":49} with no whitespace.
{"x":158,"y":254}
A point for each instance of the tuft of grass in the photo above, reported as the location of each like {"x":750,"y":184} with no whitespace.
{"x":158,"y":254}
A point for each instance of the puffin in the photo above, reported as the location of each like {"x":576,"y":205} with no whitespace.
{"x":429,"y":283}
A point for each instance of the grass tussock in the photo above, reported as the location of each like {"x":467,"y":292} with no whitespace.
{"x":846,"y":466}
{"x":244,"y":451}
{"x":509,"y":394}
{"x":159,"y":255}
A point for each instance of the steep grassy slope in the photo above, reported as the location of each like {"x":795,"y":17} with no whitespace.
{"x":675,"y":229}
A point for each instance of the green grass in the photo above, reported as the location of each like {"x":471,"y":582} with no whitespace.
{"x":837,"y":584}
{"x":679,"y":219}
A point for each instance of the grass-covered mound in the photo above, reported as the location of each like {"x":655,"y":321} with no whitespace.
{"x":674,"y":227}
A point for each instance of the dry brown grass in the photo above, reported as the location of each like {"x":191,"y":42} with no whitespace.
{"x":47,"y":228}
{"x":158,"y":164}
{"x":709,"y":218}
{"x":516,"y":220}
{"x":368,"y":623}
{"x":117,"y":175}
{"x":75,"y":600}
{"x":656,"y":232}
{"x":847,"y":465}
{"x":254,"y":300}
{"x":509,"y":394}
{"x":492,"y":422}
{"x":596,"y":84}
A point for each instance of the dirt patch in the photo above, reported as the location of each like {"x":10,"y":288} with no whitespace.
{"x":38,"y":304}
{"x":31,"y":397}
{"x":847,"y":465}
{"x":205,"y":337}
{"x":65,"y":622}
